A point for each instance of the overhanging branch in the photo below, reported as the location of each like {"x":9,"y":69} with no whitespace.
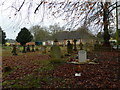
{"x":38,"y":7}
{"x":112,"y":5}
{"x":113,"y":9}
{"x":21,"y":6}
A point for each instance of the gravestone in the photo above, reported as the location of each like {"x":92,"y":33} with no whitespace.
{"x":75,"y":48}
{"x":43,"y":49}
{"x":33,"y":48}
{"x":81,"y":46}
{"x":82,"y":56}
{"x":28,"y":48}
{"x":14,"y":51}
{"x":69,"y":47}
{"x":55,"y":50}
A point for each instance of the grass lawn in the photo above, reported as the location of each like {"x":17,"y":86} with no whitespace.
{"x":38,"y":70}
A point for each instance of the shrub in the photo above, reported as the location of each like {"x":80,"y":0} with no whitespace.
{"x":7,"y":69}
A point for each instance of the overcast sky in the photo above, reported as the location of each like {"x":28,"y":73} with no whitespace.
{"x":11,"y":22}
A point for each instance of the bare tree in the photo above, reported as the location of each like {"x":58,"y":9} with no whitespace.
{"x":39,"y":33}
{"x":74,"y":12}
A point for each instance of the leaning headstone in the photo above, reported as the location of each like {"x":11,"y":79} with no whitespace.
{"x":69,"y":47}
{"x":14,"y":51}
{"x":82,"y":56}
{"x":28,"y":48}
{"x":55,"y":50}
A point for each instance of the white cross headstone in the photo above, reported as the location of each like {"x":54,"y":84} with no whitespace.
{"x":82,"y":56}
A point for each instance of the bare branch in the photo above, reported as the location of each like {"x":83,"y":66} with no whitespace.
{"x":112,"y":5}
{"x":113,"y":9}
{"x":21,"y":5}
{"x":38,"y":7}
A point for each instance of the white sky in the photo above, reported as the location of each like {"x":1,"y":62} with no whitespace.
{"x":12,"y":23}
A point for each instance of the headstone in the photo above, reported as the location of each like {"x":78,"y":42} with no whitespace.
{"x":81,"y":46}
{"x":14,"y":50}
{"x":55,"y":50}
{"x":28,"y":48}
{"x":75,"y":48}
{"x":33,"y":48}
{"x":69,"y":47}
{"x":43,"y":49}
{"x":82,"y":56}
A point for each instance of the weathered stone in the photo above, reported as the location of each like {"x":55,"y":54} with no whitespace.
{"x":82,"y":56}
{"x":81,"y":46}
{"x":33,"y":50}
{"x":55,"y":50}
{"x":75,"y":48}
{"x":14,"y":51}
{"x":43,"y":49}
{"x":69,"y":47}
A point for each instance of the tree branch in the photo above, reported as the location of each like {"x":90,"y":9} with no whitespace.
{"x":111,"y":5}
{"x":38,"y":7}
{"x":21,"y":5}
{"x":113,"y":9}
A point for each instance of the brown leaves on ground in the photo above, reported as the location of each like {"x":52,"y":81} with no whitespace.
{"x":24,"y":64}
{"x":102,"y":75}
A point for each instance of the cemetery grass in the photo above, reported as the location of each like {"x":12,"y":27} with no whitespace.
{"x":23,"y":68}
{"x":35,"y":70}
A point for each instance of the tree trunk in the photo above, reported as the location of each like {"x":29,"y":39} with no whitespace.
{"x":106,"y":23}
{"x":24,"y":51}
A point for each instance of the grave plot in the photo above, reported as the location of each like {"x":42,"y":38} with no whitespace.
{"x":29,"y":72}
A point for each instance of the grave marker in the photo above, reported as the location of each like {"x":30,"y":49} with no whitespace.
{"x":69,"y":47}
{"x":33,"y":48}
{"x":14,"y":51}
{"x":55,"y":50}
{"x":82,"y":56}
